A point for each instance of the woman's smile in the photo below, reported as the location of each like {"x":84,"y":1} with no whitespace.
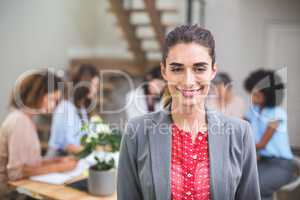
{"x":190,"y":93}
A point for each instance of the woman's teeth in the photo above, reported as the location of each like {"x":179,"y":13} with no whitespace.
{"x":190,"y":93}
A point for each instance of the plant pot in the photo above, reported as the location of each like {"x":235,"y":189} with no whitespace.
{"x":101,"y":183}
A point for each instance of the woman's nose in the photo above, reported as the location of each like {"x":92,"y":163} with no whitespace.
{"x":189,"y":78}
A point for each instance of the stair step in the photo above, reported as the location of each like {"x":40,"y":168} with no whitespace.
{"x":168,"y":10}
{"x":147,"y":24}
{"x":143,"y":10}
{"x":129,"y":33}
{"x":152,"y":50}
{"x":148,"y":37}
{"x":161,"y":10}
{"x":136,"y":10}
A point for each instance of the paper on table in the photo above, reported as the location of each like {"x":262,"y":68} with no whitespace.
{"x":60,"y":178}
{"x":82,"y":165}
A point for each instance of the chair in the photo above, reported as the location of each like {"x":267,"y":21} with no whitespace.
{"x":296,"y":181}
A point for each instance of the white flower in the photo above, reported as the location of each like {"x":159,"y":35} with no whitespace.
{"x":105,"y":156}
{"x":96,"y":119}
{"x":108,"y":157}
{"x":103,"y":128}
{"x":88,"y":139}
{"x":93,"y":135}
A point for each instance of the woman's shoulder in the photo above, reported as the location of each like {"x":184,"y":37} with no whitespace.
{"x":234,"y":126}
{"x":269,"y":114}
{"x":135,"y":93}
{"x":139,"y":129}
{"x":233,"y":120}
{"x":236,"y":131}
{"x":152,"y":117}
{"x":65,"y":106}
{"x":140,"y":124}
{"x":15,"y":118}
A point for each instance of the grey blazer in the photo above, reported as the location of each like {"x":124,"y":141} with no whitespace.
{"x":144,"y":163}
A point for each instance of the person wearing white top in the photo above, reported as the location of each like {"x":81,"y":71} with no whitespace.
{"x":147,"y":97}
{"x":223,"y":98}
{"x":72,"y":112}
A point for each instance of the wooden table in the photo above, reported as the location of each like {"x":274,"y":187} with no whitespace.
{"x":41,"y":190}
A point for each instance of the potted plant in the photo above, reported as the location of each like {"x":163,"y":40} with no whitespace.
{"x":104,"y":144}
{"x":101,"y":180}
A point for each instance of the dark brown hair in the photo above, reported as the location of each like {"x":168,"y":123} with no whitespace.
{"x":189,"y":34}
{"x":222,"y":78}
{"x":154,"y":73}
{"x":30,"y":91}
{"x":82,"y":74}
{"x":269,"y":84}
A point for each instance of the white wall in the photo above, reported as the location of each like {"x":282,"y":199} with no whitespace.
{"x":35,"y":34}
{"x":283,"y":53}
{"x":240,"y":29}
{"x":242,"y":32}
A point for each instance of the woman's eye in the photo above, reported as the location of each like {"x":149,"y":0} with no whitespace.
{"x":200,"y":69}
{"x":176,"y":69}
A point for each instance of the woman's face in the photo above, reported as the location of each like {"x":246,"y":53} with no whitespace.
{"x":258,"y":98}
{"x":156,"y":86}
{"x":49,"y":101}
{"x":188,"y":72}
{"x":94,"y":87}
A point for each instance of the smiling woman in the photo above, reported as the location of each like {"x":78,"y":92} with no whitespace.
{"x":188,"y":151}
{"x":188,"y":69}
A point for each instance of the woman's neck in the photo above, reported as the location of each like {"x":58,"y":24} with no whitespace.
{"x":26,"y":112}
{"x":189,"y":118}
{"x":80,"y":104}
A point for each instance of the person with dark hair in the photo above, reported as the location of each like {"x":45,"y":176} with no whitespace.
{"x":222,"y":97}
{"x":72,"y":112}
{"x":187,"y":151}
{"x":146,"y":99}
{"x":20,"y":150}
{"x":269,"y":124}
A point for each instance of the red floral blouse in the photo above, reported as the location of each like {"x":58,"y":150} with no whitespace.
{"x":190,"y":177}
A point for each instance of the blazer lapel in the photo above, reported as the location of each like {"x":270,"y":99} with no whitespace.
{"x":218,"y":155}
{"x":160,"y":150}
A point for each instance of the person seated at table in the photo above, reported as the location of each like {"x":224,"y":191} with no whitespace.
{"x":269,"y":123}
{"x":143,"y":100}
{"x":223,"y":98}
{"x":20,"y":149}
{"x":71,"y":112}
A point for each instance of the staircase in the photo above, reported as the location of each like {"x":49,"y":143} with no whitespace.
{"x":137,"y":42}
{"x":144,"y":47}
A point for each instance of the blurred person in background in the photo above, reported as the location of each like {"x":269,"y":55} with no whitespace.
{"x":147,"y":98}
{"x":72,"y":112}
{"x":20,"y":149}
{"x":269,"y":123}
{"x":223,"y":98}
